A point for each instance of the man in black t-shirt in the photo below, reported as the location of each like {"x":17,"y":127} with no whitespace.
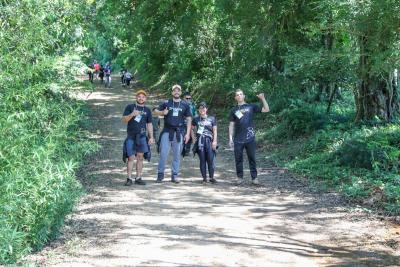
{"x":139,"y":124}
{"x":175,"y":132}
{"x":242,"y":133}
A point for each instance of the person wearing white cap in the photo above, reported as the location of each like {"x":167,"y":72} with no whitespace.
{"x":175,"y":132}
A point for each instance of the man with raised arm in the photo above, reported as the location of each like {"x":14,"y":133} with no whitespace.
{"x":242,"y":133}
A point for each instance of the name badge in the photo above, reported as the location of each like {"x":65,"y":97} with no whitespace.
{"x":200,"y":129}
{"x":138,"y":117}
{"x":175,"y":112}
{"x":239,"y":114}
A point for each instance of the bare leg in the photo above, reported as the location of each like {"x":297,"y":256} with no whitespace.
{"x":139,"y":164}
{"x":131,"y":160}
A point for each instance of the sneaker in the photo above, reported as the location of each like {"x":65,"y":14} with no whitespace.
{"x":175,"y":180}
{"x":128,"y":182}
{"x":160,"y":178}
{"x":213,"y":181}
{"x":139,"y":181}
{"x":255,"y":181}
{"x":239,"y":181}
{"x":204,"y":181}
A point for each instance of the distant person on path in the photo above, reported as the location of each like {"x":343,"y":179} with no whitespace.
{"x":204,"y":134}
{"x":101,"y":73}
{"x":122,"y":75}
{"x":127,"y":78}
{"x":174,"y":134}
{"x":156,"y":125}
{"x":242,"y":133}
{"x":91,"y":71}
{"x":96,"y":68}
{"x":138,"y":118}
{"x":189,"y":100}
{"x":107,"y":72}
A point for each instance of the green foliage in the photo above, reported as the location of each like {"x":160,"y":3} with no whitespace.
{"x":374,"y":149}
{"x":41,"y":145}
{"x":360,"y":161}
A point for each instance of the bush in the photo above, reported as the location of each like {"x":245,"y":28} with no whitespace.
{"x":377,"y":149}
{"x":299,"y":121}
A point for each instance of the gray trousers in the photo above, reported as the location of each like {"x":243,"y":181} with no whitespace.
{"x":165,"y":146}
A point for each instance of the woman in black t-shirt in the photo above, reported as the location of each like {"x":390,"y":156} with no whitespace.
{"x":204,"y":133}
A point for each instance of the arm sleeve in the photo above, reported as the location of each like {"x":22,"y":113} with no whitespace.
{"x":127,"y":111}
{"x":214,"y":122}
{"x":149,"y":116}
{"x":231,"y":115}
{"x":162,"y":106}
{"x":256,"y":108}
{"x":187,"y":112}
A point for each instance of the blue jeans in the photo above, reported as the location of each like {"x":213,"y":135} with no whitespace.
{"x":165,"y":146}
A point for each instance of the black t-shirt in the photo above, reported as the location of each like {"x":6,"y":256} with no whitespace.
{"x":136,"y":126}
{"x":244,"y":127}
{"x":204,"y":126}
{"x":177,"y":114}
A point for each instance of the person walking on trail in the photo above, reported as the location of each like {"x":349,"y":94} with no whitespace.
{"x":242,"y":133}
{"x":122,"y":75}
{"x":96,"y":68}
{"x":204,"y":134}
{"x":107,"y":72}
{"x":188,"y":99}
{"x":174,"y":134}
{"x":101,"y":74}
{"x":90,"y":72}
{"x":138,"y":118}
{"x":127,"y":78}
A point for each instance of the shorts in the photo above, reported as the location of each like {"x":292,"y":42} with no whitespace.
{"x":132,"y":148}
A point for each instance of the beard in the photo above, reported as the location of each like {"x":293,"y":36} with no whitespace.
{"x":140,"y":102}
{"x":176,"y":97}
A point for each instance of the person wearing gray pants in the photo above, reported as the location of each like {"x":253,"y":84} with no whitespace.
{"x":174,"y":133}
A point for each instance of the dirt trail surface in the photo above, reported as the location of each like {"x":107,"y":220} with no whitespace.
{"x":280,"y":223}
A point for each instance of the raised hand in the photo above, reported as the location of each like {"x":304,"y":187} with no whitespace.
{"x":165,"y":111}
{"x":261,"y":96}
{"x":135,"y":113}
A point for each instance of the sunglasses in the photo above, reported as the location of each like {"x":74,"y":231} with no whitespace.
{"x":188,"y":98}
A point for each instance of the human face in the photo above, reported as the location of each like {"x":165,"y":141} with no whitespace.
{"x":176,"y":93}
{"x":140,"y":99}
{"x":188,"y":98}
{"x":239,"y":96}
{"x":202,"y":111}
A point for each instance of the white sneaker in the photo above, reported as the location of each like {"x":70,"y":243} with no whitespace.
{"x":239,"y":181}
{"x":255,"y":181}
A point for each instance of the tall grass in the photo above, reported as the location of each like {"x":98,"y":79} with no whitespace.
{"x":42,"y":146}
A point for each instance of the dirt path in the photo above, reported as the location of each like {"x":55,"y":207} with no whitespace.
{"x":277,"y":224}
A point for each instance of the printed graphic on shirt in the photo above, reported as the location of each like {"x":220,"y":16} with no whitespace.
{"x":242,"y":116}
{"x":177,"y":113}
{"x":137,"y":125}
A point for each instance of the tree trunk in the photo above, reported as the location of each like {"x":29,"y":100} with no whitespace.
{"x":377,"y":95}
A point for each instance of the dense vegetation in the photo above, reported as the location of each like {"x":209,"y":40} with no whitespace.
{"x":328,"y":69}
{"x":42,"y":142}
